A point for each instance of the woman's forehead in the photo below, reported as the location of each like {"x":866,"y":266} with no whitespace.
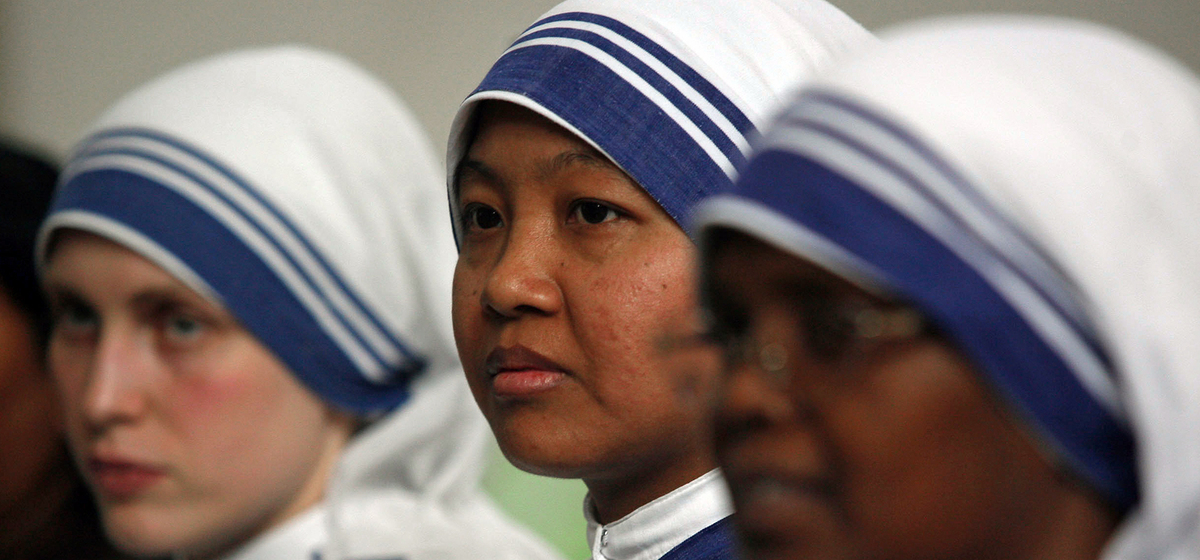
{"x":499,"y":114}
{"x":81,"y":259}
{"x":511,"y":139}
{"x":733,"y":258}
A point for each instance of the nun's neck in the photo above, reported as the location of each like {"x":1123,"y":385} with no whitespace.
{"x":616,"y":497}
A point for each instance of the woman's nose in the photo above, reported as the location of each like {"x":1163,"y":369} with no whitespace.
{"x":524,"y":277}
{"x":117,"y":384}
{"x":750,"y":401}
{"x":768,"y":381}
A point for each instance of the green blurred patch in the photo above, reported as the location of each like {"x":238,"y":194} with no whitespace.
{"x":552,"y":507}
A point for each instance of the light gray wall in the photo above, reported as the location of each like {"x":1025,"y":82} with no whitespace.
{"x":1170,"y":24}
{"x":63,"y":61}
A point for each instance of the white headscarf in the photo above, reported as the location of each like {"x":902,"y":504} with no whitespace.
{"x":669,"y":90}
{"x":297,"y":191}
{"x":1033,"y":186}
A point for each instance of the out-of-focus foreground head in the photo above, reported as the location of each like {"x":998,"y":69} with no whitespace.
{"x":570,"y":166}
{"x":30,"y":430}
{"x":45,"y":511}
{"x":956,"y":285}
{"x":28,"y":183}
{"x":246,"y":262}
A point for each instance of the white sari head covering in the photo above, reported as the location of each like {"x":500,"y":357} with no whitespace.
{"x":294,"y":189}
{"x":1033,"y":186}
{"x":669,"y":90}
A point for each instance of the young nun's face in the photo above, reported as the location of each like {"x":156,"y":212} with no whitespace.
{"x":568,"y":275}
{"x":838,"y":445}
{"x":191,"y":434}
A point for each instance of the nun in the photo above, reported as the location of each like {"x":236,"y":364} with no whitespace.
{"x":571,"y":166}
{"x":249,"y":268}
{"x":955,"y":289}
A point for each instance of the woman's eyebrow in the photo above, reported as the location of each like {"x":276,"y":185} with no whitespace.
{"x":475,"y":167}
{"x":472,"y":169}
{"x":588,"y":158}
{"x":585,"y":157}
{"x":61,"y":292}
{"x":158,"y":296}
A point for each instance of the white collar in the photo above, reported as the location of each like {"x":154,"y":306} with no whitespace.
{"x":655,"y":528}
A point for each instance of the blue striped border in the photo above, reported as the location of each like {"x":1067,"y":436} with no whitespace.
{"x":693,"y":78}
{"x":1020,"y":364}
{"x":649,"y":145}
{"x":413,"y":361}
{"x":1086,"y":334}
{"x":250,"y":289}
{"x":676,"y":97}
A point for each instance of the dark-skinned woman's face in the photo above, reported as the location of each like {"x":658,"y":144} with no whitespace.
{"x":838,"y":443}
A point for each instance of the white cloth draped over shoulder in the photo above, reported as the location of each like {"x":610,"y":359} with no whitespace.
{"x":297,"y":191}
{"x":1033,"y":185}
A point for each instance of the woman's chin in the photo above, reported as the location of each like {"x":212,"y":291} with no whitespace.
{"x":543,"y":437}
{"x":544,"y":462}
{"x":142,"y":534}
{"x":143,"y":543}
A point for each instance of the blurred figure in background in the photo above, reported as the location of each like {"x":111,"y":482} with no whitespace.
{"x":571,"y":165}
{"x":956,"y":291}
{"x":249,"y":264}
{"x":46,"y":512}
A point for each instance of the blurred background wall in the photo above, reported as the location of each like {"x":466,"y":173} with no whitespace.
{"x":64,"y":61}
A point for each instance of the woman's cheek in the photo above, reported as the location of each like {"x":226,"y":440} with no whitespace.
{"x":466,"y":314}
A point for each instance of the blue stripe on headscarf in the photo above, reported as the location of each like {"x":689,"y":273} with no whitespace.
{"x":632,"y":130}
{"x":689,"y":75}
{"x":412,"y":363}
{"x":1027,"y":372}
{"x":673,"y":95}
{"x":977,"y":201}
{"x":647,"y":143}
{"x":248,"y":287}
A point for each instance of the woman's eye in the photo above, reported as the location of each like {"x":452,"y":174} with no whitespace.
{"x":75,"y":320}
{"x":594,"y":212}
{"x":182,"y":328}
{"x":727,"y":329}
{"x":828,"y":325}
{"x":730,"y":344}
{"x":479,"y":216}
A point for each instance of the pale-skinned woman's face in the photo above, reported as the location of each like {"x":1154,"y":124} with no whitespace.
{"x":190,"y":433}
{"x":840,"y":446}
{"x":568,"y":276}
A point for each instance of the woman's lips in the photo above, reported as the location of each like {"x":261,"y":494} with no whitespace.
{"x":771,"y":507}
{"x":775,"y":494}
{"x":780,"y":487}
{"x":520,"y":372}
{"x":119,"y":479}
